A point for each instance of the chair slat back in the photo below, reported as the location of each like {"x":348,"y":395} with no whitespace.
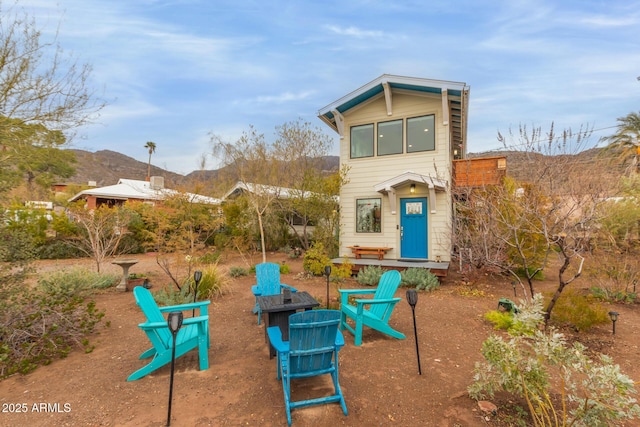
{"x":268,"y":278}
{"x":148,"y":305}
{"x":387,"y":287}
{"x":312,"y":339}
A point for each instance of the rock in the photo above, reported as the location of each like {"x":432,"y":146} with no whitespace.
{"x":487,"y":407}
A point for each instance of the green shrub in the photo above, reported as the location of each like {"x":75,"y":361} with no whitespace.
{"x":342,"y":271}
{"x":209,"y":258}
{"x":502,"y":320}
{"x":612,"y":295}
{"x":315,"y":260}
{"x":579,"y":311}
{"x":43,"y":323}
{"x":285,"y":268}
{"x":213,"y":283}
{"x":170,"y":295}
{"x":76,"y":281}
{"x":557,"y":381}
{"x":419,"y":278}
{"x":58,"y":249}
{"x":370,"y":275}
{"x":238,"y":272}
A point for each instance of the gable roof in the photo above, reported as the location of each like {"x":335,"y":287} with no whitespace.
{"x":454,"y":95}
{"x":127,"y":189}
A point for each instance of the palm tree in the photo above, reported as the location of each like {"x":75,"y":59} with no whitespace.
{"x":151,"y":146}
{"x":626,"y":141}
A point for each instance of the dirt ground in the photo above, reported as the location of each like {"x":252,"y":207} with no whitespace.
{"x":380,"y":379}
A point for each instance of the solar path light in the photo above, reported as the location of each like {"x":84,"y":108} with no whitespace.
{"x":614,"y":317}
{"x":197,"y":276}
{"x":175,"y":322}
{"x":327,"y":272}
{"x":412,"y":299}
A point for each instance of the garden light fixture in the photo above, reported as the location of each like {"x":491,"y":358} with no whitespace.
{"x":197,"y":276}
{"x":327,"y":272}
{"x":412,"y":299}
{"x":175,"y":322}
{"x":614,"y":317}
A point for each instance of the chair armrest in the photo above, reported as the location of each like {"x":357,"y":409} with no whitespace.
{"x":357,"y":291}
{"x":184,"y":307}
{"x":275,"y":338}
{"x":291,"y":288}
{"x":377,"y":301}
{"x":161,"y":325}
{"x":339,"y":340}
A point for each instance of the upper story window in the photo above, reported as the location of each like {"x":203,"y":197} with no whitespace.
{"x":421,"y":134}
{"x":390,"y":137}
{"x":362,"y":141}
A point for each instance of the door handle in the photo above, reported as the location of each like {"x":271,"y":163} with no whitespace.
{"x":401,"y":232}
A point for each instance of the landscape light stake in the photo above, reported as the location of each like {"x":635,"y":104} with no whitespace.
{"x":412,"y":299}
{"x":614,"y":317}
{"x":513,"y":284}
{"x":175,"y":322}
{"x":197,"y":276}
{"x":327,"y":272}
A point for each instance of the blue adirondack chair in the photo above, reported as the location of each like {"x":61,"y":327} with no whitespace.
{"x":267,"y":283}
{"x":194,"y":333}
{"x":312,"y":350}
{"x":381,"y":306}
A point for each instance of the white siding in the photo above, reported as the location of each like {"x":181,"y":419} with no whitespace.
{"x":364,"y":173}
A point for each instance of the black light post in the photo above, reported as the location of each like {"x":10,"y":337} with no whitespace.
{"x":614,"y":317}
{"x":513,"y":285}
{"x":197,"y":276}
{"x":412,"y":299}
{"x":175,"y":322}
{"x":327,"y":272}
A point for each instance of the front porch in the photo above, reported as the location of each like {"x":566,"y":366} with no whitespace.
{"x":440,"y":269}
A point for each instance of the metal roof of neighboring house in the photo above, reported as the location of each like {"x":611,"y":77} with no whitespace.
{"x":127,"y":189}
{"x":455,"y":95}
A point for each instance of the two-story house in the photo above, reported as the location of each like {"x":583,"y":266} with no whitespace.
{"x":399,"y":137}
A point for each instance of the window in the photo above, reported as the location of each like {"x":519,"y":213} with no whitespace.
{"x":368,"y":215}
{"x":362,"y":141}
{"x":390,"y":137}
{"x":421,"y":134}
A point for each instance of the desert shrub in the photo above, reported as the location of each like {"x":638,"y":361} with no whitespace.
{"x":209,"y":258}
{"x":238,"y":272}
{"x":285,"y":268}
{"x":612,"y":295}
{"x":579,"y":311}
{"x":419,"y":278}
{"x":558,"y":381}
{"x":315,"y":259}
{"x":342,"y":271}
{"x":43,"y":323}
{"x":76,"y":281}
{"x":16,"y":245}
{"x":58,"y":249}
{"x":370,"y":275}
{"x":213,"y":283}
{"x":169,"y":295}
{"x":502,"y":320}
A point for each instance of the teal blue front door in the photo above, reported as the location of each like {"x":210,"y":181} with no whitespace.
{"x":413,"y":228}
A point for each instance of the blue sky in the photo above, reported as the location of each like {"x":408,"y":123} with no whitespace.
{"x":175,"y":71}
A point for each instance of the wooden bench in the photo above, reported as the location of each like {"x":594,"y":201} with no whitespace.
{"x":369,"y":250}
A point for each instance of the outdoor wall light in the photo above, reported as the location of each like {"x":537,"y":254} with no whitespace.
{"x":174,"y":321}
{"x":614,"y":317}
{"x":327,"y":272}
{"x":412,"y":299}
{"x":412,"y":189}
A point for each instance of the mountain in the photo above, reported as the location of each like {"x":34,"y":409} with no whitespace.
{"x":106,"y":167}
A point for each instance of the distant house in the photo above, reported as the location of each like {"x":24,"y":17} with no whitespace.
{"x":135,"y":190}
{"x":399,"y":137}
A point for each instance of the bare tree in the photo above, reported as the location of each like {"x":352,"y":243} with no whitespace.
{"x":102,"y":230}
{"x":252,"y":162}
{"x":551,"y":210}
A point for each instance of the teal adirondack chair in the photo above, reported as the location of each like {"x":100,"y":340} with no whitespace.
{"x":194,"y":333}
{"x":267,"y":283}
{"x":381,"y":306}
{"x":312,"y":350}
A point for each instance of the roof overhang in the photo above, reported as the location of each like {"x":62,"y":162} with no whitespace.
{"x":454,"y":97}
{"x":409,"y":178}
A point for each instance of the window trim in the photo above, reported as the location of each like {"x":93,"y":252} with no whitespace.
{"x":377,"y":202}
